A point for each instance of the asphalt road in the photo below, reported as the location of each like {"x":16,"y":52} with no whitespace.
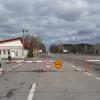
{"x":80,"y":61}
{"x":33,"y":81}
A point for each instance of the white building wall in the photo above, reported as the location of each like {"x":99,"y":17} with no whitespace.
{"x":15,"y":47}
{"x":15,"y":53}
{"x":25,"y":53}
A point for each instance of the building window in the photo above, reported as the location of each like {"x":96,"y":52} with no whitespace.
{"x":16,"y":53}
{"x":4,"y":52}
{"x":8,"y":52}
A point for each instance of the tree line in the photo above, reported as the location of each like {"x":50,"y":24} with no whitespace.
{"x":72,"y":48}
{"x":32,"y":44}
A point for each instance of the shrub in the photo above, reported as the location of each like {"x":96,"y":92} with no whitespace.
{"x":30,"y":54}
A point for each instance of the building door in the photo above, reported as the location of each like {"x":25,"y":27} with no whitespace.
{"x":13,"y":54}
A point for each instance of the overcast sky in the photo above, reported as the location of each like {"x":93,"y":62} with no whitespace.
{"x":53,"y":20}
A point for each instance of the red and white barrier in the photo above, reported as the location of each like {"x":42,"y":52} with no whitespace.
{"x":1,"y":71}
{"x":47,"y":62}
{"x":23,"y":61}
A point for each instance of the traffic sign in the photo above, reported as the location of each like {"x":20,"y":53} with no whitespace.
{"x":58,"y":64}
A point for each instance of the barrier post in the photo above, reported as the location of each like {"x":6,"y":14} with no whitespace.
{"x":1,"y":70}
{"x":86,"y":66}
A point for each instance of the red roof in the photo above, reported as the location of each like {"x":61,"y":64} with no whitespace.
{"x":8,"y":40}
{"x":19,"y":38}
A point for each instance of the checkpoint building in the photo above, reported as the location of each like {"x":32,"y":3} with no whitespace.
{"x":13,"y":47}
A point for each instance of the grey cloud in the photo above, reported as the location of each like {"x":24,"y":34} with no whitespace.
{"x":85,"y":32}
{"x":52,"y":19}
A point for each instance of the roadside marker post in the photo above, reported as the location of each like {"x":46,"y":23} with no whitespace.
{"x":58,"y":64}
{"x":86,"y":66}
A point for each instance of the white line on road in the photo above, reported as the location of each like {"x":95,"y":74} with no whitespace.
{"x":92,"y":60}
{"x":97,"y":78}
{"x":73,"y":66}
{"x":14,"y":67}
{"x":31,"y":94}
{"x":79,"y":69}
{"x":88,"y":73}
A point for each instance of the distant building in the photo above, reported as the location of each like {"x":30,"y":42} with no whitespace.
{"x":13,"y":47}
{"x":97,"y":49}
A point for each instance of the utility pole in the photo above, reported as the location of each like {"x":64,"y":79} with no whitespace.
{"x":60,"y":47}
{"x":76,"y":45}
{"x":23,"y":41}
{"x":28,"y":40}
{"x":37,"y":46}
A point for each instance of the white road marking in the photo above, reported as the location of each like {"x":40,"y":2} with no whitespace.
{"x":79,"y":69}
{"x":73,"y":66}
{"x":31,"y":94}
{"x":14,"y":67}
{"x":92,"y":60}
{"x":97,"y":78}
{"x":88,"y":73}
